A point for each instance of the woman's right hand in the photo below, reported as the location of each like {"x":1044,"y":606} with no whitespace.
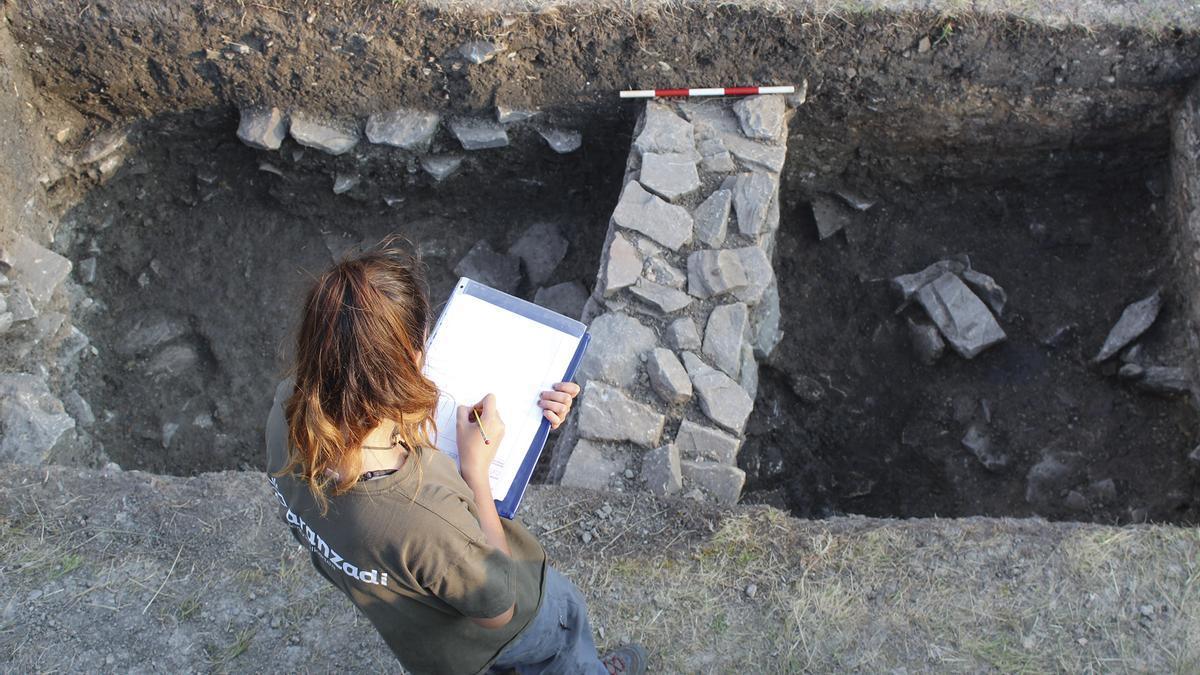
{"x":474,"y":455}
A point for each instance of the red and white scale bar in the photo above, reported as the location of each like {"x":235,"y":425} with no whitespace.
{"x":710,"y":91}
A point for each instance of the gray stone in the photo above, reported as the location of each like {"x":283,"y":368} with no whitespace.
{"x":712,"y":218}
{"x":711,"y":118}
{"x":682,"y":334}
{"x":1165,"y":380}
{"x":907,"y":285}
{"x":769,"y":157}
{"x":714,"y":157}
{"x":566,"y":298}
{"x":831,"y":216}
{"x":624,"y":265}
{"x":68,"y":349}
{"x":668,"y":376}
{"x":854,"y":200}
{"x":542,"y":247}
{"x":479,"y":51}
{"x":332,"y":137}
{"x":404,"y":128}
{"x":662,"y":272}
{"x":441,"y":166}
{"x":46,"y":325}
{"x":661,"y":470}
{"x":508,"y":115}
{"x":104,"y":146}
{"x":663,"y":298}
{"x":87,"y":270}
{"x":344,"y":182}
{"x":764,"y":322}
{"x":31,"y":419}
{"x":173,"y":360}
{"x":800,"y":97}
{"x":762,"y":117}
{"x":587,"y":467}
{"x":979,"y":444}
{"x":752,"y":195}
{"x":562,"y":141}
{"x":614,"y":355}
{"x":721,"y":398}
{"x":724,"y":336}
{"x":714,"y":272}
{"x":748,"y":376}
{"x":960,"y":315}
{"x":927,"y":342}
{"x":670,"y":175}
{"x":608,"y":414}
{"x":149,"y":332}
{"x":643,"y":212}
{"x":483,"y":264}
{"x":759,"y":274}
{"x":20,"y":305}
{"x":987,"y":289}
{"x":722,"y":481}
{"x":35,"y":267}
{"x":1133,"y":322}
{"x":1047,"y":479}
{"x":697,"y":442}
{"x":262,"y":128}
{"x":77,"y":407}
{"x":478,"y":134}
{"x":664,"y":131}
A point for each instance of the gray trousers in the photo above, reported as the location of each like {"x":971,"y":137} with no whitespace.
{"x":558,"y":640}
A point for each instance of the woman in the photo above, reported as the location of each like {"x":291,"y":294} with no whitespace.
{"x":414,"y":542}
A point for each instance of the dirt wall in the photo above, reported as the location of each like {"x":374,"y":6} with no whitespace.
{"x":1184,"y":202}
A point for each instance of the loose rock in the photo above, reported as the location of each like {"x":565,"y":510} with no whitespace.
{"x":960,"y":315}
{"x":682,"y":334}
{"x":404,"y":128}
{"x":670,"y":175}
{"x":752,"y":195}
{"x":762,"y":117}
{"x":334,"y":138}
{"x":855,"y":200}
{"x":35,"y":267}
{"x":721,"y":481}
{"x":712,"y":218}
{"x":643,"y":212}
{"x":478,"y":134}
{"x":343,"y":183}
{"x":668,"y":377}
{"x":567,"y":298}
{"x":618,"y":341}
{"x":1133,"y":322}
{"x":831,"y":216}
{"x":713,"y":272}
{"x":587,"y":467}
{"x":31,"y":419}
{"x":79,"y":409}
{"x":508,"y":115}
{"x":1164,"y":380}
{"x":907,"y":285}
{"x":661,"y":470}
{"x":479,"y":51}
{"x":664,"y":131}
{"x":486,"y":266}
{"x":759,"y":274}
{"x":608,"y":414}
{"x":764,"y":322}
{"x":987,"y":289}
{"x":562,"y":141}
{"x":104,"y":146}
{"x":624,"y":265}
{"x":979,"y":443}
{"x":541,"y":248}
{"x":721,"y":398}
{"x":441,"y":166}
{"x":262,"y":128}
{"x":724,"y":336}
{"x":663,"y":298}
{"x":173,"y":361}
{"x":927,"y":343}
{"x":696,"y":441}
{"x":150,"y":331}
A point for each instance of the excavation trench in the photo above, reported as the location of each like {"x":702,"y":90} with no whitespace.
{"x":1057,"y":159}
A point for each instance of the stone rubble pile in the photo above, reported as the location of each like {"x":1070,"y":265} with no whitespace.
{"x":1136,"y":370}
{"x":961,"y":302}
{"x":684,"y":305}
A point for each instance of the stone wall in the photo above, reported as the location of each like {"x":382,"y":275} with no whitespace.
{"x":685,"y":302}
{"x":1184,"y":215}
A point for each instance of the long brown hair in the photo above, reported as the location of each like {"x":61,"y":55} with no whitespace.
{"x":358,"y":363}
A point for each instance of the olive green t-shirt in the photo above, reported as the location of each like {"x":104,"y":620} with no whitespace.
{"x":418,"y":569}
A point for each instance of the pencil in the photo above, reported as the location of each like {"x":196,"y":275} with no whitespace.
{"x":479,"y":421}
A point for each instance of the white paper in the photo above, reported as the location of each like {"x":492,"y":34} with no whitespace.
{"x":480,"y":348}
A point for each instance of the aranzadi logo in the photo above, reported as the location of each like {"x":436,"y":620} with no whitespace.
{"x":328,"y":555}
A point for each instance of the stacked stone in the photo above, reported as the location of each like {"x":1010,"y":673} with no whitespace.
{"x":410,"y":133}
{"x":684,"y":305}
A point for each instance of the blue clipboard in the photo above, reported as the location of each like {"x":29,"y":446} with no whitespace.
{"x":507,"y":507}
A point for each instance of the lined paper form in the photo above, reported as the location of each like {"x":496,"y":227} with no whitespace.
{"x":479,"y":348}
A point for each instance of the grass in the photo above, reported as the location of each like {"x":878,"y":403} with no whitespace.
{"x":220,"y":657}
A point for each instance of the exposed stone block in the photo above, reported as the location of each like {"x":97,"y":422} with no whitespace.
{"x":643,"y":212}
{"x":614,"y":355}
{"x":608,"y":414}
{"x":668,"y":376}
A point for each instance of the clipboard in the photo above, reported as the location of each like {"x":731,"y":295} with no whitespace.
{"x":512,"y":311}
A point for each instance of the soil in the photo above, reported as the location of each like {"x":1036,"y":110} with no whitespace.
{"x":192,"y":229}
{"x":848,"y":420}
